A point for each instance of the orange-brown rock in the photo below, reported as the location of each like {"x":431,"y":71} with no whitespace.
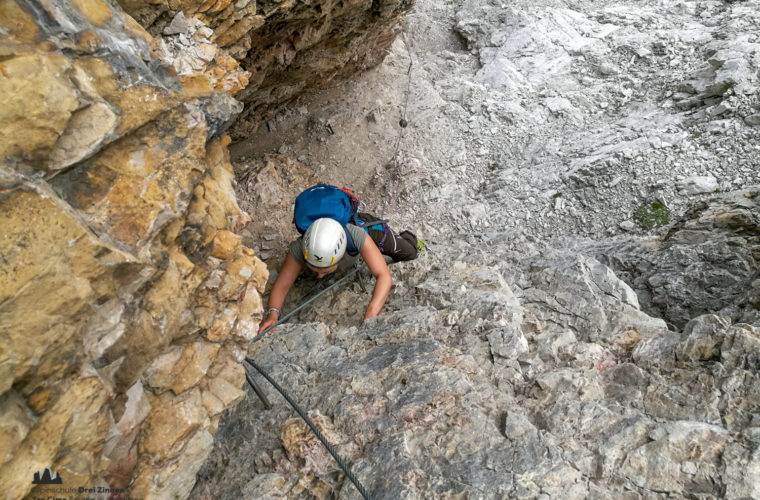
{"x":88,"y":41}
{"x":38,"y":100}
{"x":95,"y":11}
{"x":288,"y":47}
{"x":85,"y":132}
{"x":19,"y":24}
{"x":73,"y":430}
{"x":227,"y":365}
{"x":102,"y":362}
{"x":224,"y":393}
{"x":122,"y":443}
{"x":214,"y":204}
{"x":54,"y":271}
{"x":15,"y":422}
{"x":223,"y":322}
{"x":136,"y":103}
{"x":171,"y":419}
{"x":181,"y":367}
{"x":174,"y":478}
{"x":225,"y":244}
{"x":188,"y":46}
{"x":134,"y":187}
{"x":241,"y":271}
{"x":250,"y":301}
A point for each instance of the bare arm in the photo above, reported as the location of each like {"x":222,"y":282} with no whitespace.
{"x":379,"y":269}
{"x":288,"y":274}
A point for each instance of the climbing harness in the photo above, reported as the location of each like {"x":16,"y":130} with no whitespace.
{"x":377,"y":224}
{"x":313,"y":428}
{"x":260,"y":393}
{"x":386,"y":231}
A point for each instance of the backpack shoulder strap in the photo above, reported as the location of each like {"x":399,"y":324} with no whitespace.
{"x":350,"y":243}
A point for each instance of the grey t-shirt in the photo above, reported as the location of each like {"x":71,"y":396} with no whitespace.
{"x":357,"y":233}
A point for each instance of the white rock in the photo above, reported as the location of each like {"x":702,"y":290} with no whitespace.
{"x":205,"y":32}
{"x":180,"y":24}
{"x":719,"y":109}
{"x":698,"y":184}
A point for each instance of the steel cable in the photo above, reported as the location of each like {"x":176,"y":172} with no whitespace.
{"x":306,"y":303}
{"x":313,"y":428}
{"x":402,"y":124}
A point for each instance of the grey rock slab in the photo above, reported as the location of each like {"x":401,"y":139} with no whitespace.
{"x":684,"y":394}
{"x":741,"y":347}
{"x":627,"y":225}
{"x":585,"y":296}
{"x":680,"y":453}
{"x":702,"y":337}
{"x":513,"y":360}
{"x":178,"y":25}
{"x":742,"y":471}
{"x":752,"y":120}
{"x":507,"y":343}
{"x":706,"y":263}
{"x":505,"y":409}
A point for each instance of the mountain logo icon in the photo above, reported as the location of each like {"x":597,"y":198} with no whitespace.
{"x":47,"y":477}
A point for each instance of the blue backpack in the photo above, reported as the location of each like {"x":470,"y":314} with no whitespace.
{"x":328,"y":201}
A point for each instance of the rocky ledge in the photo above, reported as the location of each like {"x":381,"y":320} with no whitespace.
{"x":707,"y":262}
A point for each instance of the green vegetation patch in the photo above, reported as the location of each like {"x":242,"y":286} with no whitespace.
{"x":652,"y":214}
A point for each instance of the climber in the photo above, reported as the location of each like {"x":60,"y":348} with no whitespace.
{"x":328,"y":245}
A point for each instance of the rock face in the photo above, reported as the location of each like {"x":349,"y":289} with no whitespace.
{"x":123,"y":299}
{"x":499,"y":371}
{"x":708,"y":262}
{"x":126,"y":294}
{"x":502,"y":371}
{"x":288,"y":47}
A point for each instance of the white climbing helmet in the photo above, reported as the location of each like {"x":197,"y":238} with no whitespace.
{"x":324,"y":243}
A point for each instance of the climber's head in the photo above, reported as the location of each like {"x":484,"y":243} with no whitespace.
{"x":324,"y":244}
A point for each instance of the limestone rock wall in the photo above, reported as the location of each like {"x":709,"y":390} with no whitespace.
{"x":125,"y":294}
{"x":287,"y":46}
{"x":499,"y":369}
